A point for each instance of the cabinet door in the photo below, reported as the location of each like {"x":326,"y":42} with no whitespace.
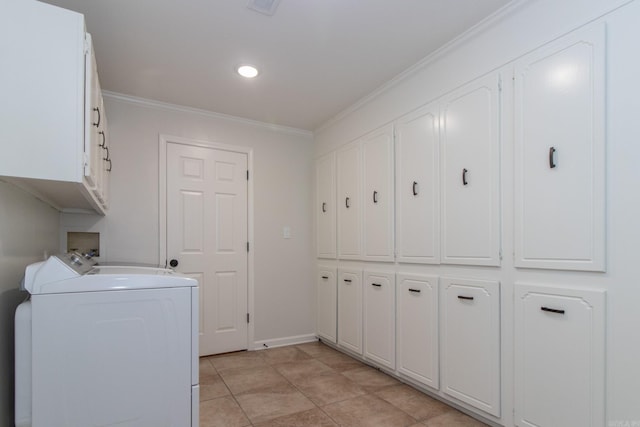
{"x":327,"y":307}
{"x":417,"y":187}
{"x":471,"y":342}
{"x":379,"y":318}
{"x":377,"y":151}
{"x":325,"y":206}
{"x":559,"y":356}
{"x":560,"y":154}
{"x":417,"y":314}
{"x":349,"y":166}
{"x":470,"y":174}
{"x":350,"y":310}
{"x":94,"y":115}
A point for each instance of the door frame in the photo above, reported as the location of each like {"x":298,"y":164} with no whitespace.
{"x":163,"y":140}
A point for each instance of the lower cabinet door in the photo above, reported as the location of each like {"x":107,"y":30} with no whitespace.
{"x":327,"y":308}
{"x":559,"y":356}
{"x":350,"y":309}
{"x":417,"y":314}
{"x":379,"y":318}
{"x":471,"y":342}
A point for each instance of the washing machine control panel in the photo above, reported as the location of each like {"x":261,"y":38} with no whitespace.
{"x":79,"y":263}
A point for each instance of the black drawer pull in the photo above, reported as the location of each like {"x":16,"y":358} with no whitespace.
{"x":96,"y":124}
{"x":465,"y":297}
{"x":325,"y":277}
{"x":347,"y":280}
{"x":414,"y":188}
{"x":552,"y":163}
{"x":104,"y":139}
{"x":552,"y":310}
{"x":375,"y":197}
{"x":346,"y":202}
{"x":377,"y":285}
{"x":464,"y":177}
{"x":417,"y":291}
{"x":324,"y":207}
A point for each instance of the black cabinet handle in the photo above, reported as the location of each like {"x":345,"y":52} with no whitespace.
{"x":108,"y":157}
{"x":173,"y":263}
{"x":98,"y":122}
{"x":377,"y":285}
{"x":346,"y":202}
{"x":347,"y":280}
{"x":417,"y":291}
{"x":109,"y":168}
{"x":464,"y":177}
{"x":414,"y":188}
{"x":552,"y":151}
{"x":324,"y":207}
{"x":552,"y":310}
{"x":465,"y":297}
{"x":375,"y":197}
{"x":104,"y":139}
{"x":325,"y":277}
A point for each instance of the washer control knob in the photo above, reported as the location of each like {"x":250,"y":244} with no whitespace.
{"x":173,"y":263}
{"x":75,"y":259}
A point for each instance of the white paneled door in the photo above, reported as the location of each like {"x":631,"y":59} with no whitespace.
{"x":207,"y":236}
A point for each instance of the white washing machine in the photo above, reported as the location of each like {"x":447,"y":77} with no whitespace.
{"x":106,"y":346}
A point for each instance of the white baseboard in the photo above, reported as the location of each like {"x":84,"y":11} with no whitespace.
{"x":281,"y":342}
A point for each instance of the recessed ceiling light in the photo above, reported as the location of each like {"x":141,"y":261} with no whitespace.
{"x":247,"y":71}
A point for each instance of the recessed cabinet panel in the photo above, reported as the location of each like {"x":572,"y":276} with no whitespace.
{"x":418,"y":187}
{"x":349,"y":167}
{"x":379,"y":318}
{"x":559,"y":356}
{"x":327,"y":304}
{"x":325,"y":206}
{"x":378,"y":197}
{"x":417,"y":314}
{"x":471,"y":342}
{"x":470,"y":174}
{"x":560,"y":154}
{"x":350,"y":310}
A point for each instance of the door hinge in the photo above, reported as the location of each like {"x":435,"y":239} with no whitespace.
{"x":247,"y":317}
{"x":87,"y":45}
{"x":247,"y":246}
{"x":247,"y":174}
{"x":500,"y":83}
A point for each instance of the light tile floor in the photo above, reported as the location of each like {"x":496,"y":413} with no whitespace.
{"x":312,"y":385}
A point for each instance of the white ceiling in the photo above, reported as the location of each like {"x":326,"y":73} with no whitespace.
{"x":317,"y":57}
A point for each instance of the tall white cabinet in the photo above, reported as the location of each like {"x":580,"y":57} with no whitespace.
{"x":377,"y":151}
{"x":326,"y":206}
{"x":470,"y":342}
{"x":350,"y":309}
{"x":560,"y":154}
{"x":417,"y":330}
{"x":418,"y":186}
{"x":559,"y":356}
{"x":470,"y":174}
{"x":349,"y":175}
{"x":380,"y":317}
{"x":327,"y":303}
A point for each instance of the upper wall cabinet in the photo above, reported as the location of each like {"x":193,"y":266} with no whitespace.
{"x":42,"y":106}
{"x":349,"y":171}
{"x":560,"y":154}
{"x":365,"y":199}
{"x":326,"y":206}
{"x":470,"y":174}
{"x":377,"y":152}
{"x":417,"y":187}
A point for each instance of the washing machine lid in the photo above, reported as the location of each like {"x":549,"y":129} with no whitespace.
{"x":56,"y":276}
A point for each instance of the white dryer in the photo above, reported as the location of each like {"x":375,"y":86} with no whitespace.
{"x":106,"y":346}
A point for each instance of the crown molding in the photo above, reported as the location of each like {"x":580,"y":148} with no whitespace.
{"x":158,"y":105}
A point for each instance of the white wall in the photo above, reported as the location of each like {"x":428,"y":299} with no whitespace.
{"x":28,"y":229}
{"x":516,"y":32}
{"x":282,"y":173}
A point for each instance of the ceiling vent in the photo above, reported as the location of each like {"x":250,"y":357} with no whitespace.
{"x":268,"y":7}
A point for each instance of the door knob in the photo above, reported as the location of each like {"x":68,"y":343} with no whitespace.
{"x":173,"y":263}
